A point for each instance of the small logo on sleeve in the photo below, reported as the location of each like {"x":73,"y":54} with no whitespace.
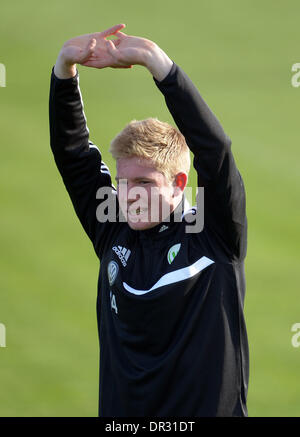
{"x":122,"y":253}
{"x":173,"y":251}
{"x":112,"y":272}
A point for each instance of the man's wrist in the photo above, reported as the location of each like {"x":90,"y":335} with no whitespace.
{"x":64,"y":69}
{"x":158,"y":63}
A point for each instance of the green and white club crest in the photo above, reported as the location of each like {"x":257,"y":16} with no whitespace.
{"x":173,"y":251}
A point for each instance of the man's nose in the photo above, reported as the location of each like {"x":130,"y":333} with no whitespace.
{"x":128,"y":192}
{"x":133,"y":194}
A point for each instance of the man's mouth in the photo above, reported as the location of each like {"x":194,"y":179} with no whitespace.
{"x":138,"y":212}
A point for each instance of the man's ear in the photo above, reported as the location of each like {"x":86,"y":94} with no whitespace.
{"x":180,"y":183}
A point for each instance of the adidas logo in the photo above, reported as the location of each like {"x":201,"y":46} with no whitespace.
{"x":163,"y":228}
{"x":122,"y":253}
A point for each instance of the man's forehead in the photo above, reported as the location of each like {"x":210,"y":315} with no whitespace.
{"x":135,"y":167}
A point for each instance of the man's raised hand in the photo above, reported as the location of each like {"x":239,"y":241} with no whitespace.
{"x":129,"y":50}
{"x":90,"y":50}
{"x":95,"y":50}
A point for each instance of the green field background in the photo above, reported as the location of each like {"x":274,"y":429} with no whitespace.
{"x":239,"y":54}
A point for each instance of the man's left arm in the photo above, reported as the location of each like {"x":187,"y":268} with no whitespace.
{"x":224,"y":195}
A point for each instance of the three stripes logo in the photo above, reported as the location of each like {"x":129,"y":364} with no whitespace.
{"x":122,"y":253}
{"x":104,"y":168}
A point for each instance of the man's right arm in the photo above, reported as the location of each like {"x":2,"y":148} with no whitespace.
{"x":77,"y":158}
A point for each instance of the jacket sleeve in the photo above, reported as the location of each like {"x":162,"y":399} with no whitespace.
{"x":224,"y":194}
{"x":77,"y":158}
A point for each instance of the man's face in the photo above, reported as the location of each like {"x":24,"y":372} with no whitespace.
{"x":146,"y":197}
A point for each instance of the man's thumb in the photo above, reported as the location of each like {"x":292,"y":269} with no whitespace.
{"x":91,"y":45}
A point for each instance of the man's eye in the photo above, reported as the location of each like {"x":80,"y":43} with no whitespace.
{"x":144,"y":182}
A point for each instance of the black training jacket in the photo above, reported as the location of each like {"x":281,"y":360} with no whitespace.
{"x":172,"y":333}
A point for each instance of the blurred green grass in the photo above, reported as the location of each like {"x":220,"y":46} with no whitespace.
{"x":239,"y":54}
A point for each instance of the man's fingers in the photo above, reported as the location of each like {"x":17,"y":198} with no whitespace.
{"x":113,"y":51}
{"x":116,"y":42}
{"x":88,"y":50}
{"x":121,"y":35}
{"x":111,"y":47}
{"x":120,"y":62}
{"x":91,"y":45}
{"x":112,"y":30}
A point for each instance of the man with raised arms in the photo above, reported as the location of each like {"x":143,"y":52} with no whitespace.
{"x":171,"y":326}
